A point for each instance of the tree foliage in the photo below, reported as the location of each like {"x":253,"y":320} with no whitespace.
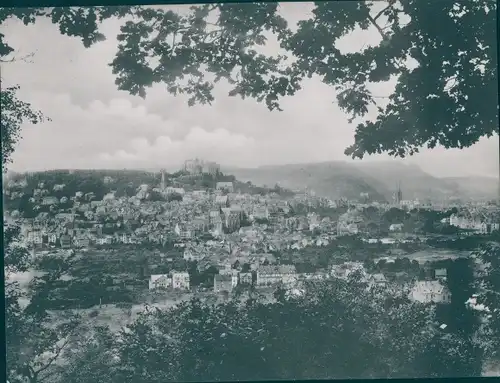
{"x":77,"y":22}
{"x":487,"y":301}
{"x":13,"y":113}
{"x":441,"y":101}
{"x":35,"y":342}
{"x":336,"y":330}
{"x":448,"y":96}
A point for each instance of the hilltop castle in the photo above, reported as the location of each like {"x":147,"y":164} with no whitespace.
{"x":197,"y":167}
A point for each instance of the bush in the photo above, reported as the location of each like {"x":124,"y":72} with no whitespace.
{"x":93,"y":313}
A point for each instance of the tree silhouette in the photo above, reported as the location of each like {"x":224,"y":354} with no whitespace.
{"x":447,"y":97}
{"x":441,"y":101}
{"x":487,"y":286}
{"x":35,"y":343}
{"x":14,"y":112}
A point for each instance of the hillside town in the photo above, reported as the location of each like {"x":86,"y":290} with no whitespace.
{"x":242,"y":240}
{"x":250,"y":191}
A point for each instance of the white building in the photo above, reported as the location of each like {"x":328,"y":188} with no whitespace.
{"x":430,"y":292}
{"x":314,"y":221}
{"x":234,"y":279}
{"x":344,"y":228}
{"x":172,"y":190}
{"x":180,"y":280}
{"x":221,"y":200}
{"x":160,"y":281}
{"x":396,"y":227}
{"x":260,"y":212}
{"x":272,"y":275}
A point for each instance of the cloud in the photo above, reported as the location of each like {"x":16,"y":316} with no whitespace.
{"x":218,"y":145}
{"x":77,"y":135}
{"x":96,"y":125}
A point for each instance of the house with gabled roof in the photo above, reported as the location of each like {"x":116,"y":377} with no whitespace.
{"x":272,"y":275}
{"x":377,"y":280}
{"x":160,"y":281}
{"x":430,"y":292}
{"x":65,"y":241}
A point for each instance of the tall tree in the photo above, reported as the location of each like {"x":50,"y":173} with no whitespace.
{"x":35,"y":341}
{"x":13,"y":113}
{"x":487,"y":299}
{"x":460,"y":321}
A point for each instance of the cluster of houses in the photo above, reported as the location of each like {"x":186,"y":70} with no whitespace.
{"x":479,"y":222}
{"x":228,"y":278}
{"x":220,"y":212}
{"x":136,"y":220}
{"x":434,"y":290}
{"x":242,"y":226}
{"x":177,"y":280}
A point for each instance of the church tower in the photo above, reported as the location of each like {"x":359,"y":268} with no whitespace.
{"x":162,"y":184}
{"x":399,"y":194}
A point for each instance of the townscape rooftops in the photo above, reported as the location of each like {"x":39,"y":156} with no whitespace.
{"x":223,"y":277}
{"x":156,"y":277}
{"x":430,"y":287}
{"x":280,"y":269}
{"x":379,"y":277}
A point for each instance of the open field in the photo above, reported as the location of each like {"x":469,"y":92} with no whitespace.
{"x":430,"y":255}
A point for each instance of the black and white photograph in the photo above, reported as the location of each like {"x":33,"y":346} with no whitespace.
{"x":250,"y":191}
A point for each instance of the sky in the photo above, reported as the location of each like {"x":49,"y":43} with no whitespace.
{"x":94,"y":125}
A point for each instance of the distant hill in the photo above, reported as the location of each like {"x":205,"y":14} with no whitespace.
{"x":328,"y":179}
{"x":126,"y":181}
{"x":415,"y":183}
{"x":477,"y":187}
{"x":379,"y":179}
{"x":332,"y":179}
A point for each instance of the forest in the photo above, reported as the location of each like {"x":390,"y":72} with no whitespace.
{"x":336,"y":330}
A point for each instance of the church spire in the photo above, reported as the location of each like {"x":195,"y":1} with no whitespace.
{"x":162,"y":184}
{"x":399,"y":196}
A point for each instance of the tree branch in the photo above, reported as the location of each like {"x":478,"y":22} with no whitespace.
{"x":372,"y":20}
{"x":31,"y":374}
{"x":173,"y":43}
{"x":391,"y":3}
{"x":14,"y":59}
{"x":55,"y":357}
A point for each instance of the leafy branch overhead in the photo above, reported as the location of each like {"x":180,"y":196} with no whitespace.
{"x":447,"y":96}
{"x":450,"y":98}
{"x":163,"y":47}
{"x":13,"y":112}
